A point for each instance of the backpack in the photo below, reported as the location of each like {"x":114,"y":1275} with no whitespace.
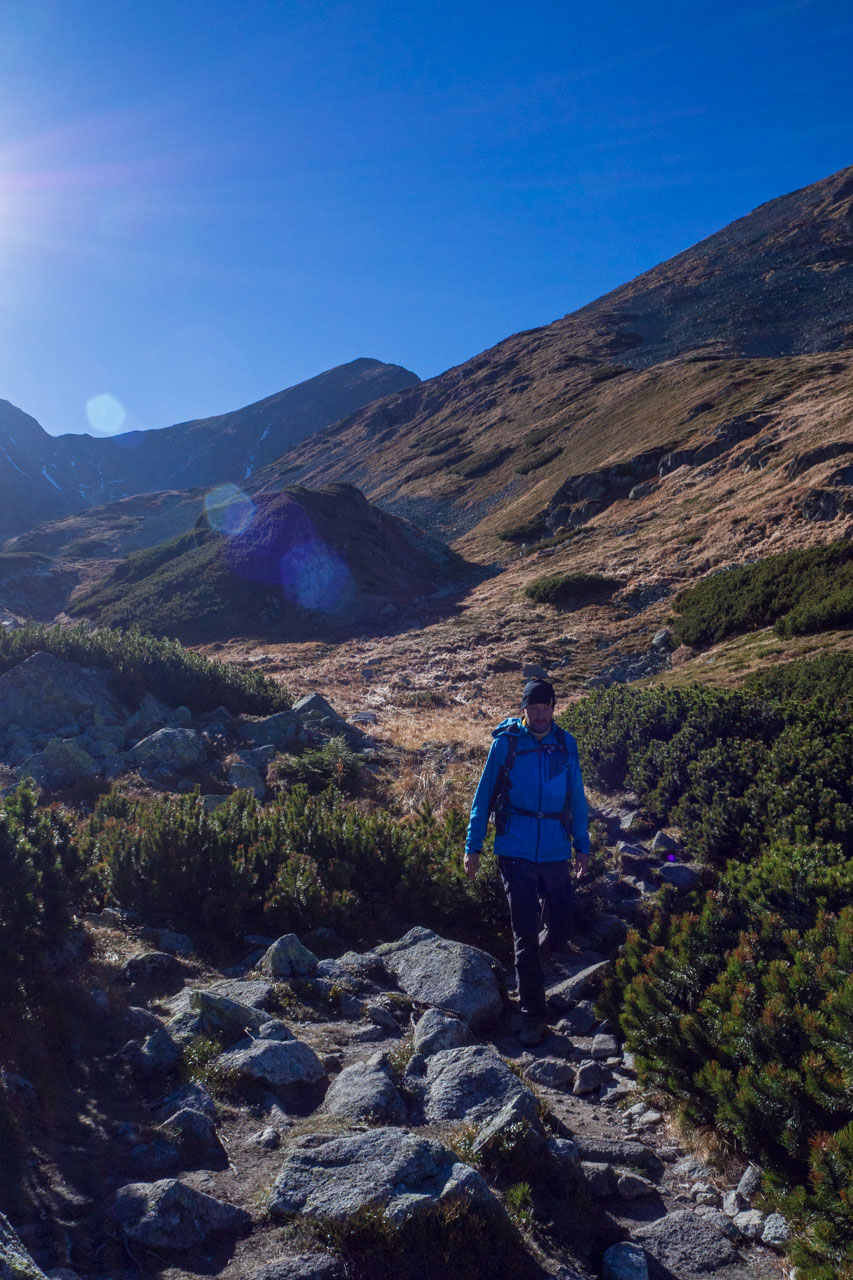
{"x":499,"y":802}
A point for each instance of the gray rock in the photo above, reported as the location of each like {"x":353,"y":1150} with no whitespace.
{"x":686,"y":1244}
{"x":61,"y":763}
{"x":750,"y":1223}
{"x":273,"y":1062}
{"x":663,"y":639}
{"x":187,"y":1095}
{"x":680,"y":875}
{"x":151,"y":714}
{"x":391,"y":1171}
{"x":194,"y":1134}
{"x":275,"y":1029}
{"x":448,"y":975}
{"x":251,"y":991}
{"x":705,"y":1193}
{"x":718,"y":1219}
{"x":642,"y":490}
{"x":268,"y":1139}
{"x":281,"y":730}
{"x":605,"y":1046}
{"x":648,"y":1119}
{"x":516,"y":1131}
{"x":244,"y":777}
{"x":734,"y":1203}
{"x":15,"y":1261}
{"x":599,"y":1179}
{"x":565,"y":1151}
{"x":174,"y":1218}
{"x":568,"y":992}
{"x":224,"y":1018}
{"x":663,"y":843}
{"x":469,"y":1083}
{"x":551,"y":1073}
{"x":776,"y":1233}
{"x":578,"y":1021}
{"x":167,"y":751}
{"x":150,"y":966}
{"x":690,"y":1168}
{"x":590,"y":1075}
{"x":616,"y":1151}
{"x":300,"y":1266}
{"x":533,"y":672}
{"x":382,"y":1016}
{"x":750,"y":1181}
{"x":438,"y":1030}
{"x":624,"y":1262}
{"x":158,"y":1055}
{"x":174,"y":944}
{"x":54,"y":698}
{"x":366,"y":1091}
{"x":287,"y":958}
{"x":631,"y":1186}
{"x":150,"y":1158}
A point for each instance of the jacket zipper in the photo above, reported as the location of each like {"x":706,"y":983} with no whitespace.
{"x":539,"y":820}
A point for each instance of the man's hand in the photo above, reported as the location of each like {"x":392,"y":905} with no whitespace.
{"x":582,"y":860}
{"x":472,"y":864}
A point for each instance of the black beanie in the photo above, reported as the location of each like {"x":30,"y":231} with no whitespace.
{"x":538,"y":691}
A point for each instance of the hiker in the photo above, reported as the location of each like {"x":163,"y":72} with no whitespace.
{"x":532,"y":788}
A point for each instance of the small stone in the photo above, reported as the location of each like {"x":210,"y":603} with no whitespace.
{"x":268,"y":1139}
{"x":590,"y":1075}
{"x":287,"y":958}
{"x":598,"y":1178}
{"x":605,"y":1046}
{"x":710,"y":1214}
{"x":565,"y":1151}
{"x":750,"y":1181}
{"x":648,"y":1120}
{"x":625,"y":1262}
{"x":776,"y":1231}
{"x":616,"y":1091}
{"x":631,"y":1186}
{"x":750,"y":1223}
{"x":733,"y":1204}
{"x":578,"y":1021}
{"x":550,"y":1073}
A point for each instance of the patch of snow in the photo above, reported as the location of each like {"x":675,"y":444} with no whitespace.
{"x":14,"y":464}
{"x":249,"y":470}
{"x":50,"y":478}
{"x":266,"y":433}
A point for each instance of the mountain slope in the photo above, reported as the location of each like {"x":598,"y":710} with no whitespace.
{"x":43,"y":477}
{"x":291,"y":565}
{"x":773,"y":285}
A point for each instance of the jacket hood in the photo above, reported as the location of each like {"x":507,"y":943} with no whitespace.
{"x":512,"y":724}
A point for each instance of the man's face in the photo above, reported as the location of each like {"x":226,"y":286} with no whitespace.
{"x":539,"y":716}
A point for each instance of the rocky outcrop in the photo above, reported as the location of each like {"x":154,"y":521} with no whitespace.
{"x":448,"y":975}
{"x":171,"y":1217}
{"x":392,"y":1171}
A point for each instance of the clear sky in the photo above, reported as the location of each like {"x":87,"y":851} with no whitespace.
{"x":205,"y":201}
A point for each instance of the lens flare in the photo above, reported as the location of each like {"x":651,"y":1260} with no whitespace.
{"x":314,"y":576}
{"x":106,"y":414}
{"x":229,"y":510}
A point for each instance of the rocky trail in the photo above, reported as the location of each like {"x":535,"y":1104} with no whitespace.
{"x":299,"y":1117}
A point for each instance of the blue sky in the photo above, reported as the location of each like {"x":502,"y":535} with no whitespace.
{"x":204,"y":202}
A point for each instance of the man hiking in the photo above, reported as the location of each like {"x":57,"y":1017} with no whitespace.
{"x":532,"y":788}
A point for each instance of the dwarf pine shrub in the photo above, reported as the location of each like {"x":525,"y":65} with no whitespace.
{"x":799,"y":591}
{"x":39,"y":870}
{"x":142,"y":664}
{"x":572,"y":590}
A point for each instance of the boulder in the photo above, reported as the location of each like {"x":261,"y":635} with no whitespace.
{"x":299,"y":1266}
{"x":280,"y":730}
{"x":150,"y":966}
{"x":158,"y":1055}
{"x":624,"y":1262}
{"x":683,"y":877}
{"x":15,"y":1261}
{"x":551,"y":1073}
{"x":243,"y":777}
{"x":49,"y":697}
{"x":590,"y":1074}
{"x":570,"y":990}
{"x":61,"y":763}
{"x":750,"y":1181}
{"x":280,"y":1064}
{"x":187,"y":1095}
{"x":631,"y":1186}
{"x":438,"y":1030}
{"x":448,"y":975}
{"x":578,"y":1021}
{"x":195,"y":1136}
{"x":391,"y":1171}
{"x":750,"y":1224}
{"x":366,"y":1091}
{"x":599,"y":1179}
{"x":174,"y":1218}
{"x":515,"y":1132}
{"x":616,"y":1151}
{"x":167,"y":751}
{"x":687,"y":1245}
{"x":605,"y":1046}
{"x":663,"y":842}
{"x":287,"y":958}
{"x":361,"y":972}
{"x":151,"y":714}
{"x":175,"y":944}
{"x":776,"y":1233}
{"x":468,"y":1084}
{"x":225,"y":1018}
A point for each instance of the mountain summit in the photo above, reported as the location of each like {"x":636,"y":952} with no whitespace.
{"x":43,"y":477}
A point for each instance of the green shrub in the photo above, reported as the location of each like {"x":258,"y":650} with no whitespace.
{"x":333,"y":764}
{"x":539,"y":460}
{"x":481,"y":463}
{"x":141,"y":664}
{"x":799,"y":592}
{"x":39,"y":871}
{"x":572,"y":590}
{"x":302,"y":862}
{"x":531,"y":530}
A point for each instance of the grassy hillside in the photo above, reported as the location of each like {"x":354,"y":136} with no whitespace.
{"x":305,"y":564}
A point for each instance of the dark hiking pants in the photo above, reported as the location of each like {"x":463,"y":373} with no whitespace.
{"x":536,"y":892}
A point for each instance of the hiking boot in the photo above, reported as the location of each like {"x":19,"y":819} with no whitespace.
{"x":533,"y":1032}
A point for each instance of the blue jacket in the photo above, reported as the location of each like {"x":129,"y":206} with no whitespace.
{"x":542,"y":778}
